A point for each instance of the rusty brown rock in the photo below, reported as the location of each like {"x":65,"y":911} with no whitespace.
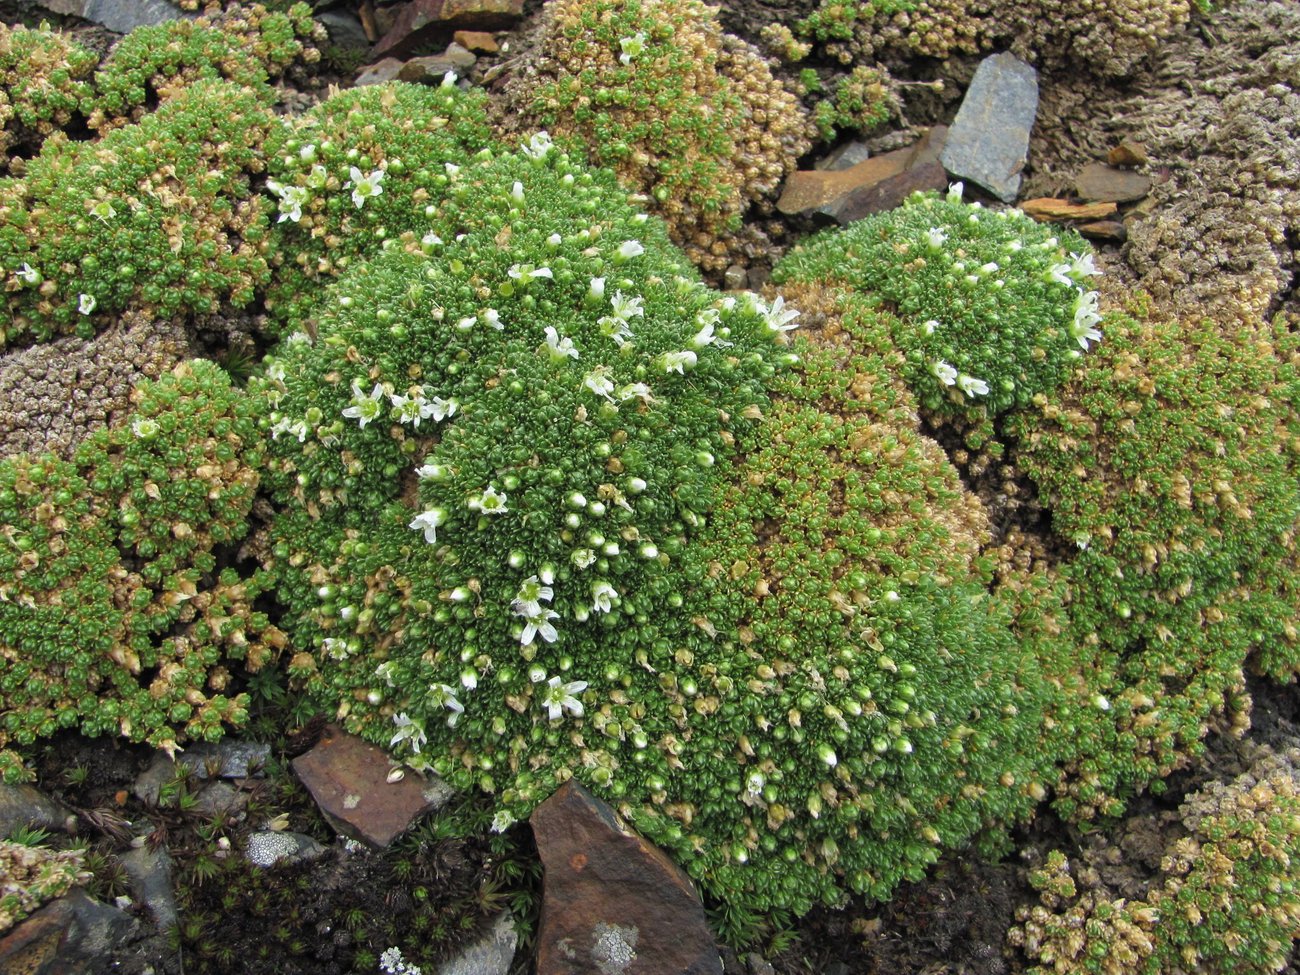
{"x":420,"y":20}
{"x":1114,"y":230}
{"x":1050,"y":209}
{"x":1128,"y":154}
{"x":928,"y":147}
{"x":73,"y":935}
{"x":1103,"y":183}
{"x":808,"y":190}
{"x":613,"y":903}
{"x":348,"y":778}
{"x":888,"y":193}
{"x":477,"y":40}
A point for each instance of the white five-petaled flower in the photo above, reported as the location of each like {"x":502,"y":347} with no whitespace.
{"x":631,"y":47}
{"x":628,"y":250}
{"x":318,"y":177}
{"x":102,"y":210}
{"x":943,"y":372}
{"x":492,"y":318}
{"x":307,"y":153}
{"x":930,"y":326}
{"x":627,"y":306}
{"x":1082,"y":266}
{"x":86,"y":303}
{"x":583,"y":557}
{"x":363,"y":186}
{"x":935,"y":237}
{"x":292,"y":199}
{"x":1060,"y":274}
{"x":525,"y":273}
{"x":29,"y":274}
{"x":537,"y":147}
{"x":429,"y":522}
{"x":409,"y":730}
{"x":561,"y":347}
{"x":638,"y":390}
{"x":440,"y":695}
{"x":613,"y":327}
{"x":502,"y":821}
{"x":532,"y":593}
{"x":517,"y":192}
{"x":705,"y":337}
{"x":539,"y":624}
{"x":449,"y":79}
{"x":490,"y":502}
{"x":955,"y":191}
{"x":598,"y":382}
{"x":971,"y":386}
{"x":560,"y":697}
{"x":432,"y":472}
{"x":1086,"y":317}
{"x":601,"y":595}
{"x":778,"y":317}
{"x":145,"y":428}
{"x":679,"y":362}
{"x":285,"y":425}
{"x":365,"y":408}
{"x":597,"y":288}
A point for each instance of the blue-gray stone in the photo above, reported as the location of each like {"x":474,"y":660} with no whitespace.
{"x":124,"y":16}
{"x":490,"y":955}
{"x":988,"y":142}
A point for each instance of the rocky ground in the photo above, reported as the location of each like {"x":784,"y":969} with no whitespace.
{"x":259,"y":856}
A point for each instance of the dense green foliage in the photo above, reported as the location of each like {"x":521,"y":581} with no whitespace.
{"x":114,"y":619}
{"x":991,"y":308}
{"x":44,"y":78}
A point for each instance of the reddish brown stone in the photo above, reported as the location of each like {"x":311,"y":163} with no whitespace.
{"x":1105,"y":230}
{"x":1097,"y":181}
{"x":613,"y":903}
{"x":73,"y":935}
{"x":888,"y":193}
{"x":420,"y":20}
{"x":1128,"y":154}
{"x":1048,"y":209}
{"x":348,"y":778}
{"x":477,"y":40}
{"x":809,"y":190}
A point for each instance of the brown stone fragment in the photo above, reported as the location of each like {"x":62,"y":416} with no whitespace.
{"x":381,"y":71}
{"x":1128,"y":154}
{"x":928,"y":147}
{"x":1049,"y":209}
{"x":1105,"y":230}
{"x":420,"y":20}
{"x":810,"y":189}
{"x":888,"y":193}
{"x":1104,"y":183}
{"x":477,"y":40}
{"x":348,"y":778}
{"x":72,"y":935}
{"x":612,"y":902}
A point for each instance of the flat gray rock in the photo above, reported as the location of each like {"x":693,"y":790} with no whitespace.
{"x":150,"y":875}
{"x":988,"y":142}
{"x":124,"y":16}
{"x":491,"y":955}
{"x":26,"y":807}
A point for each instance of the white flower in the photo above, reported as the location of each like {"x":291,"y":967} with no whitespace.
{"x":318,"y":177}
{"x":86,"y":303}
{"x":1086,"y":313}
{"x":528,"y":601}
{"x":465,"y":324}
{"x":440,"y":408}
{"x":538,"y":147}
{"x":678,"y":362}
{"x":613,"y":327}
{"x":778,"y":317}
{"x":440,"y":695}
{"x":971,"y":386}
{"x":490,"y":502}
{"x":640,"y":390}
{"x":517,"y":192}
{"x":631,"y":46}
{"x":429,"y":522}
{"x":626,"y":307}
{"x":539,"y":625}
{"x":365,"y":408}
{"x":292,"y":199}
{"x":432,"y":472}
{"x":409,"y":730}
{"x":560,"y":697}
{"x":492,"y":318}
{"x":955,"y":191}
{"x":601,"y":594}
{"x":451,"y":169}
{"x":628,"y":250}
{"x":502,"y":821}
{"x":307,"y":153}
{"x":1099,"y":701}
{"x":275,"y":372}
{"x":430,"y":239}
{"x":583,"y":557}
{"x":1060,"y":274}
{"x":705,"y":337}
{"x":943,"y":372}
{"x":336,"y":649}
{"x":364,"y":187}
{"x":411,"y":409}
{"x":561,"y":347}
{"x":930,"y":326}
{"x":469,"y":678}
{"x":555,"y":240}
{"x":935,"y":237}
{"x":449,"y":79}
{"x":1082,"y":266}
{"x":599,"y":382}
{"x":597,"y":288}
{"x":29,"y":274}
{"x":524,"y":273}
{"x":145,"y":428}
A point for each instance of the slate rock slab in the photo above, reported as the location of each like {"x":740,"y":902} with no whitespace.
{"x":490,"y":955}
{"x":612,"y":903}
{"x":119,"y":16}
{"x":26,"y":807}
{"x":988,"y":141}
{"x":74,"y":935}
{"x":1106,"y":184}
{"x":348,"y":778}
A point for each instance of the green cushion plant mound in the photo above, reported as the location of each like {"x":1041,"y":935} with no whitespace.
{"x":990,"y":308}
{"x":157,"y":217}
{"x":44,"y":78}
{"x":361,"y":168}
{"x":115,"y":616}
{"x":1170,"y":461}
